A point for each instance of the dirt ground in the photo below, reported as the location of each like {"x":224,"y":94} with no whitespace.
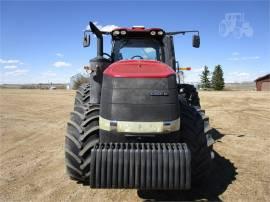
{"x":32,"y":129}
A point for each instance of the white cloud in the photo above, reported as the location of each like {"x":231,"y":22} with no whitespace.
{"x":244,"y":58}
{"x":10,"y":61}
{"x":238,"y":77}
{"x":17,"y":72}
{"x":60,"y":55}
{"x":61,"y":64}
{"x":10,"y":67}
{"x":236,"y":56}
{"x":106,"y":28}
{"x":87,"y":28}
{"x":149,"y":50}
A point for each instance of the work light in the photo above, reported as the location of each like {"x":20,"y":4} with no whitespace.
{"x":153,"y":33}
{"x":123,"y":32}
{"x":116,"y":32}
{"x":160,"y":33}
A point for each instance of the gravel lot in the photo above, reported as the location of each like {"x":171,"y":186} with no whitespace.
{"x":32,"y":129}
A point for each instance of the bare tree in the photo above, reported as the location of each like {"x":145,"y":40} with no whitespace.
{"x":79,"y":80}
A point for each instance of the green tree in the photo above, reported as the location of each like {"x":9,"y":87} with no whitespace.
{"x":217,"y":78}
{"x":205,"y":81}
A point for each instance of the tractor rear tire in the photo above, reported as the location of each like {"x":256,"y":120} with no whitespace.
{"x":189,"y":95}
{"x":82,"y":135}
{"x":192,"y":133}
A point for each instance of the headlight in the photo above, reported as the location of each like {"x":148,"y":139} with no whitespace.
{"x":160,"y":33}
{"x":116,"y":32}
{"x":123,"y":32}
{"x":153,"y":33}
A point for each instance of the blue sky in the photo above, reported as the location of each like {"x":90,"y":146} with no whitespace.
{"x":41,"y":41}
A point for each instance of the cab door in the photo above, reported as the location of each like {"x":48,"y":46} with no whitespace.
{"x":169,"y":51}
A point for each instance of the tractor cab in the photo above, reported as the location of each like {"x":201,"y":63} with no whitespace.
{"x":139,"y":43}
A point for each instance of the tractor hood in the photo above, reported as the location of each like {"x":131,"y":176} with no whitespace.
{"x":139,"y":69}
{"x":139,"y":91}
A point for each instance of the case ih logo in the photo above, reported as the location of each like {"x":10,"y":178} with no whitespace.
{"x":159,"y":93}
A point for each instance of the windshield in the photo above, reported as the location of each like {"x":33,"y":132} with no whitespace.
{"x":137,"y":49}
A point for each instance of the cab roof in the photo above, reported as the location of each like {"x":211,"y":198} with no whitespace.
{"x":137,"y":29}
{"x":137,"y":32}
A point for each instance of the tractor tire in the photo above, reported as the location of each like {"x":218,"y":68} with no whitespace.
{"x":192,"y":133}
{"x":189,"y":95}
{"x":82,"y":135}
{"x":82,"y":95}
{"x":189,"y":92}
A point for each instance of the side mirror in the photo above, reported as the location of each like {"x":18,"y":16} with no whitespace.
{"x":196,"y":41}
{"x":86,"y":40}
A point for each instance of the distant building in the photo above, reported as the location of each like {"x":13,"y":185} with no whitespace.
{"x":52,"y":88}
{"x":263,"y":83}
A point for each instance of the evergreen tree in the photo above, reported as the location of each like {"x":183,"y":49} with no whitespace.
{"x":205,"y":82}
{"x":217,"y":78}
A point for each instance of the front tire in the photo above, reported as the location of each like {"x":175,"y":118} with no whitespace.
{"x":82,"y":135}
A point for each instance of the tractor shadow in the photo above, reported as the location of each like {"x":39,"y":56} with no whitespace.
{"x":222,"y":175}
{"x":216,"y":135}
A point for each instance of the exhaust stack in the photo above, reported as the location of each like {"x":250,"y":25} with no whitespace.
{"x":99,"y":36}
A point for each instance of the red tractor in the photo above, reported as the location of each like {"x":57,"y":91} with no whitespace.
{"x":133,"y":124}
